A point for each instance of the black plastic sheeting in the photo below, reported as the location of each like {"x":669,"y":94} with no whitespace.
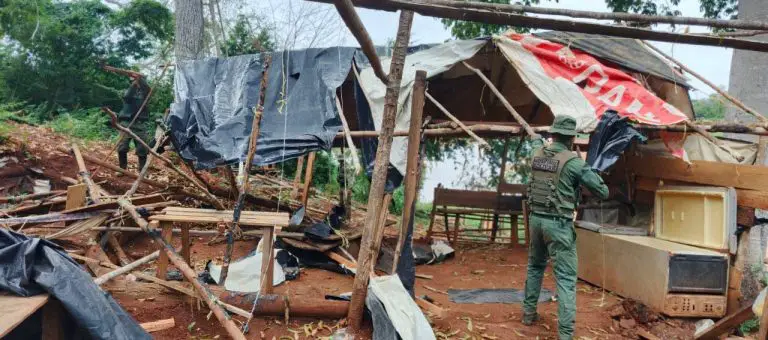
{"x":32,"y":266}
{"x":612,"y":136}
{"x":501,"y":295}
{"x":211,"y":119}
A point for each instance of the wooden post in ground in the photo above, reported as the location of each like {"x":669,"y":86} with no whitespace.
{"x":297,"y":177}
{"x":93,"y":188}
{"x":308,"y":178}
{"x":368,"y":251}
{"x":413,"y":161}
{"x":204,"y":293}
{"x":502,"y":179}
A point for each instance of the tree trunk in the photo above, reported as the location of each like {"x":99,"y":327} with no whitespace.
{"x":189,"y":30}
{"x":749,"y":70}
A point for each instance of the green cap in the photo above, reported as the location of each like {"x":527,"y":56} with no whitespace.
{"x":564,"y":125}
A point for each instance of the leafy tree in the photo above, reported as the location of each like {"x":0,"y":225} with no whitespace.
{"x":54,"y":47}
{"x":711,"y":108}
{"x":247,"y":39}
{"x":711,"y":8}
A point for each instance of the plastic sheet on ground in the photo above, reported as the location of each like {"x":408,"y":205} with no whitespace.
{"x":402,"y":313}
{"x":212,"y":114}
{"x":245,"y":274}
{"x":32,"y":266}
{"x":500,"y":295}
{"x":613,"y":135}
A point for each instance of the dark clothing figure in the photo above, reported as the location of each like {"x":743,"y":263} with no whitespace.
{"x":553,"y":194}
{"x":132,"y":101}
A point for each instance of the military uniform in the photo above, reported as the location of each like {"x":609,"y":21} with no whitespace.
{"x":132,"y":101}
{"x":553,"y":193}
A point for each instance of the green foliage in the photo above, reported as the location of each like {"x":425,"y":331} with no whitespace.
{"x":85,"y":124}
{"x":711,"y":108}
{"x":57,"y":65}
{"x":726,"y":9}
{"x":246,"y":38}
{"x":649,"y":7}
{"x":468,"y":30}
{"x":749,"y":326}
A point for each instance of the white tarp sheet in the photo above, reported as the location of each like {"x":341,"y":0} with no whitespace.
{"x":245,"y":274}
{"x":405,"y":314}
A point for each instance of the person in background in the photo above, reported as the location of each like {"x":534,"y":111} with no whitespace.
{"x":557,"y":173}
{"x":133,"y":100}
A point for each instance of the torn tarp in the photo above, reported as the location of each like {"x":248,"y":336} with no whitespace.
{"x":613,"y":135}
{"x":32,"y":266}
{"x":212,"y":113}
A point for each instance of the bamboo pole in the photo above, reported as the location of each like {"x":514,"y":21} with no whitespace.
{"x":308,"y":179}
{"x":368,"y":251}
{"x":352,"y":20}
{"x":203,"y":292}
{"x":456,"y":120}
{"x":165,"y":160}
{"x":127,"y":268}
{"x":717,"y":89}
{"x":413,"y":163}
{"x":503,"y":100}
{"x":93,"y":188}
{"x":453,"y":10}
{"x":350,"y":143}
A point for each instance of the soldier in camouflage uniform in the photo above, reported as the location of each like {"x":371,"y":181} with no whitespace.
{"x":132,"y":101}
{"x":553,"y":194}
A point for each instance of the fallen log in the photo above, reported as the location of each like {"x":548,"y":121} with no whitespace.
{"x":122,"y":270}
{"x":22,"y":198}
{"x":159,"y":325}
{"x":275,"y":304}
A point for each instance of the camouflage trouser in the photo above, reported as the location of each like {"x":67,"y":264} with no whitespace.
{"x":140,"y":129}
{"x":553,"y":237}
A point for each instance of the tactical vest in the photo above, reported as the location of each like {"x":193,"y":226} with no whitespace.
{"x":543,"y":196}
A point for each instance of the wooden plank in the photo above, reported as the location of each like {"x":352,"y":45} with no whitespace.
{"x":745,"y":216}
{"x":162,"y":262}
{"x":16,"y":309}
{"x":159,"y":325}
{"x":749,"y":177}
{"x":259,"y":222}
{"x":76,"y":196}
{"x":727,"y":323}
{"x":509,"y":188}
{"x":309,"y":171}
{"x":267,"y":261}
{"x":466,"y":198}
{"x":186,"y":244}
{"x":744,"y":197}
{"x":193,"y":211}
{"x":95,"y":252}
{"x":137,"y":201}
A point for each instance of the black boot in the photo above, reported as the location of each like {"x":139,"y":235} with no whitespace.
{"x":142,"y":161}
{"x":122,"y":159}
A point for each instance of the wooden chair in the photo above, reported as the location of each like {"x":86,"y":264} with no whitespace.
{"x":269,"y":222}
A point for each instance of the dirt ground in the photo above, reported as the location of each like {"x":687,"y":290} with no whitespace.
{"x":474,"y":266}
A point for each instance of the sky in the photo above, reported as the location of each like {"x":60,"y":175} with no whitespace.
{"x":711,"y":62}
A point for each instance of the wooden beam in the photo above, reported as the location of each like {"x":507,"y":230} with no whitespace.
{"x":159,"y":325}
{"x":503,"y":100}
{"x":453,"y":10}
{"x":93,"y":189}
{"x":727,"y":323}
{"x":77,"y":196}
{"x":309,"y":172}
{"x":352,"y":20}
{"x":297,"y":177}
{"x":456,"y":120}
{"x":413,"y":162}
{"x":125,"y":269}
{"x":368,"y":251}
{"x":712,"y":85}
{"x":744,"y":198}
{"x":486,"y":129}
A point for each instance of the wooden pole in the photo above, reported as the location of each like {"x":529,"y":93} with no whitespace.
{"x":203,"y":292}
{"x":159,"y":140}
{"x":503,"y":100}
{"x":717,"y":89}
{"x":368,"y":251}
{"x":352,"y":20}
{"x":350,"y":143}
{"x":308,"y":178}
{"x":453,"y":10}
{"x":488,"y":129}
{"x":502,"y":179}
{"x":93,"y":189}
{"x":165,"y":160}
{"x":127,"y":268}
{"x":456,"y":120}
{"x":297,"y":177}
{"x":230,"y":179}
{"x":612,"y":16}
{"x":413,"y":162}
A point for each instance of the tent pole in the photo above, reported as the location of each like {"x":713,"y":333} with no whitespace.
{"x":352,"y":148}
{"x":503,"y":100}
{"x":368,"y":250}
{"x":413,"y":162}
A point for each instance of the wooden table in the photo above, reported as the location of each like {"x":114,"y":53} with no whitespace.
{"x":270,"y":222}
{"x":15,"y":309}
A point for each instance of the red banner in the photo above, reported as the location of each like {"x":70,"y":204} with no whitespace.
{"x":603,"y":86}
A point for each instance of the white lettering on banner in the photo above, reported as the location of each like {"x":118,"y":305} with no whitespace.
{"x":635,"y":107}
{"x":673,"y":110}
{"x":613,"y":97}
{"x":594,"y":68}
{"x":651,"y":117}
